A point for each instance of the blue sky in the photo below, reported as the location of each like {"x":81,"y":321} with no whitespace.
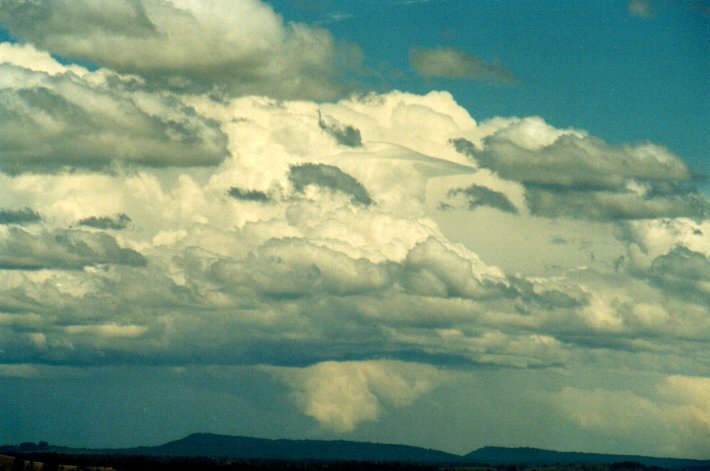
{"x":449,"y":224}
{"x":589,"y":65}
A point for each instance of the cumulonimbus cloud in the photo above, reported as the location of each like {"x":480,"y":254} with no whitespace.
{"x":307,"y":238}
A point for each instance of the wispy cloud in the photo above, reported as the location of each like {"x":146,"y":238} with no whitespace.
{"x":641,"y":9}
{"x":456,"y":64}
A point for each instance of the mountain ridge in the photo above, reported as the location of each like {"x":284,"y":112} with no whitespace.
{"x":243,"y":447}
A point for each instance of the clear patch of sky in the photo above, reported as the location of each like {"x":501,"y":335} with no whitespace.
{"x":589,"y":65}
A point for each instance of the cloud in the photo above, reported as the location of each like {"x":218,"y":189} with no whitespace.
{"x":64,"y":250}
{"x":18,"y":371}
{"x":640,"y":9}
{"x":248,"y":195}
{"x":345,"y":135}
{"x":341,"y":395}
{"x":328,"y":177}
{"x":118,"y":222}
{"x":236,"y":48}
{"x":613,"y":205}
{"x":19,"y":216}
{"x":303,"y":254}
{"x":683,"y":273}
{"x":675,"y":419}
{"x":570,"y":174}
{"x":456,"y":64}
{"x":575,"y":161}
{"x":338,"y":280}
{"x":476,"y":196}
{"x":68,"y":122}
{"x":29,"y":57}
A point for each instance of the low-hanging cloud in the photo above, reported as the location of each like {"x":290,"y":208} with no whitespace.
{"x":674,"y":417}
{"x":341,"y":395}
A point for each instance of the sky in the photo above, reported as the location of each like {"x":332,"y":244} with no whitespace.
{"x":442,"y":223}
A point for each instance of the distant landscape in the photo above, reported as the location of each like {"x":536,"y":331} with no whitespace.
{"x":211,"y":451}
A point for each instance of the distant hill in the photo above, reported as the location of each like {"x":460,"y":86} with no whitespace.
{"x":244,"y":448}
{"x":537,"y":457}
{"x":207,"y":444}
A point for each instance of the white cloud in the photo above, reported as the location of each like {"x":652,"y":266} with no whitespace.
{"x":341,"y":395}
{"x":675,"y":420}
{"x":238,"y":47}
{"x":243,"y":260}
{"x":29,"y":57}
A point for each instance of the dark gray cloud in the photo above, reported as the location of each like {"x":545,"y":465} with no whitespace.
{"x":62,"y":249}
{"x":328,"y":177}
{"x":456,"y":64}
{"x":477,"y":196}
{"x":464,"y":146}
{"x":64,"y":122}
{"x":552,"y":201}
{"x":683,"y":273}
{"x":117,"y":222}
{"x":19,"y":216}
{"x":345,"y":135}
{"x":248,"y":195}
{"x":580,"y":163}
{"x":582,"y":177}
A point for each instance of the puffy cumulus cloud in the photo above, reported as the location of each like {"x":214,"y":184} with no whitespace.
{"x":674,"y":419}
{"x":341,"y":395}
{"x":66,"y":250}
{"x":64,"y":121}
{"x":294,"y":267}
{"x":456,"y":64}
{"x":434,"y":268}
{"x":240,"y":47}
{"x":647,"y":240}
{"x":569,"y":174}
{"x":311,"y":245}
